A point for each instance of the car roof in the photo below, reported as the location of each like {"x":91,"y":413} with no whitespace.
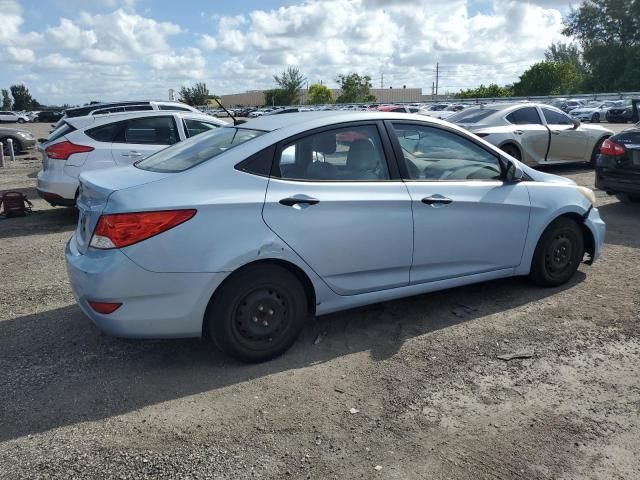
{"x":303,"y":121}
{"x":90,"y":120}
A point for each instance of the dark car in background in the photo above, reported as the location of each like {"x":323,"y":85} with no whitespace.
{"x":625,"y":112}
{"x":49,"y":116}
{"x":618,"y":165}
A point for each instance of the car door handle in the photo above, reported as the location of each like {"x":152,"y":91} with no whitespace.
{"x":556,"y":132}
{"x":291,"y":201}
{"x":132,"y":153}
{"x":518,"y":132}
{"x":436,"y":200}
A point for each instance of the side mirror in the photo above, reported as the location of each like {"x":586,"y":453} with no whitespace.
{"x":576,"y":122}
{"x":514,"y":173}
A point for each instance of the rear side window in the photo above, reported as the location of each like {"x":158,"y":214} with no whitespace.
{"x":471,"y":115}
{"x":196,"y":150}
{"x":152,"y":131}
{"x":195,"y":127}
{"x":138,"y":108}
{"x":525,"y":116}
{"x":556,"y":118}
{"x":59,"y":132}
{"x":106,"y":133}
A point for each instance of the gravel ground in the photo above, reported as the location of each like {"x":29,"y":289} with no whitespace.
{"x":410,"y":389}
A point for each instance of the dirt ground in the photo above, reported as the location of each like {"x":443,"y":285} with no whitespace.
{"x":410,"y":389}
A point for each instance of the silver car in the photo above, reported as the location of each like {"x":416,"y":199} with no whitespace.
{"x":536,"y":134}
{"x":245,"y":232}
{"x":22,"y":139}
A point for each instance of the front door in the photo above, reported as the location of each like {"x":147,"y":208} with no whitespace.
{"x":467,"y":220}
{"x":567,"y":144}
{"x":332,"y":199}
{"x":530,"y":133}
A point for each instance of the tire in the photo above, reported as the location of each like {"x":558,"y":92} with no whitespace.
{"x":512,"y":150}
{"x":17,"y":146}
{"x":595,"y":118}
{"x":257,"y":313}
{"x":628,"y":198}
{"x":596,"y":151}
{"x":21,"y":120}
{"x":558,"y":253}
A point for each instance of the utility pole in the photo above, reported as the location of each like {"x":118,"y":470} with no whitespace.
{"x":381,"y":79}
{"x":437,"y":77}
{"x":433,"y":89}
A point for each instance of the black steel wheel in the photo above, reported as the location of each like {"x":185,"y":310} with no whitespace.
{"x":512,"y":150}
{"x":258,"y":313}
{"x":558,"y":253}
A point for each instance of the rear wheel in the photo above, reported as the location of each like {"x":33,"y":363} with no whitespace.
{"x":558,"y":253}
{"x":512,"y":150}
{"x":595,"y":118}
{"x":21,"y":120}
{"x":628,"y":198}
{"x":258,"y":313}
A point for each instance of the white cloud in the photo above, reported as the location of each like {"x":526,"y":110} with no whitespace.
{"x":207,"y":42}
{"x":18,"y":55}
{"x":10,"y":21}
{"x":69,"y":35}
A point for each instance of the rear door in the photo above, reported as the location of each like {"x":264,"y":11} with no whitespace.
{"x":143,"y":136}
{"x":567,"y":143}
{"x":530,"y":133}
{"x":339,"y":204}
{"x":467,"y":220}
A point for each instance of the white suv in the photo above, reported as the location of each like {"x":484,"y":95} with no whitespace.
{"x":90,"y":143}
{"x":13,"y":117}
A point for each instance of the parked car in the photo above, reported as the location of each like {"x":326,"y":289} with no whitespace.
{"x":22,"y":139}
{"x":450,"y":111}
{"x":125,"y":106}
{"x":394,"y":109}
{"x":90,"y":143}
{"x":49,"y":116}
{"x":618,"y":165}
{"x":13,"y":117}
{"x":622,"y":113}
{"x":592,"y":112}
{"x":537,"y":134}
{"x":433,"y":109}
{"x":569,"y":105}
{"x":246,"y":232}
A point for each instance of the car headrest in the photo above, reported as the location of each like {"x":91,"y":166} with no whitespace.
{"x":325,"y":143}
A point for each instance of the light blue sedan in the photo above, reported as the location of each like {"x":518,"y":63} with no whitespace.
{"x":244,"y":233}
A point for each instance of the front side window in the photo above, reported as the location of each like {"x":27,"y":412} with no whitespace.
{"x":344,"y":154}
{"x":195,"y":127}
{"x":433,"y":154}
{"x":556,"y":118}
{"x":196,"y":150}
{"x":152,"y":131}
{"x":525,"y":116}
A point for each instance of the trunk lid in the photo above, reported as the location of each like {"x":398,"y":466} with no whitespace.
{"x":95,"y":189}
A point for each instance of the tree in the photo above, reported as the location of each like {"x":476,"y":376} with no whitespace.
{"x":196,"y":95}
{"x":6,"y":100}
{"x":22,"y":99}
{"x":355,"y":89}
{"x":610,"y":38}
{"x":549,"y":78}
{"x":319,"y":94}
{"x":491,"y":91}
{"x":290,"y":84}
{"x":276,"y":96}
{"x":564,"y":53}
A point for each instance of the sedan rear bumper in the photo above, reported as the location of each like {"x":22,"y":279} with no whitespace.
{"x":154,"y":305}
{"x":613,"y":184}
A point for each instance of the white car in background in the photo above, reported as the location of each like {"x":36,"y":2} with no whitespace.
{"x":120,"y":139}
{"x":593,"y":111}
{"x":13,"y":117}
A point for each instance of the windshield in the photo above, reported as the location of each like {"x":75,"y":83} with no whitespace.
{"x":196,"y":150}
{"x":472,"y":115}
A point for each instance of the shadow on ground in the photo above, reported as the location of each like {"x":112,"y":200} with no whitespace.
{"x":57,"y":369}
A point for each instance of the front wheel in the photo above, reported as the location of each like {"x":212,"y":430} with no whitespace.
{"x":595,"y":118}
{"x":17,"y":146}
{"x":512,"y":150}
{"x":558,"y":253}
{"x":258,"y":313}
{"x":21,"y":120}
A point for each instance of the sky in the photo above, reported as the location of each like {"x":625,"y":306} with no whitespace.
{"x":75,"y":51}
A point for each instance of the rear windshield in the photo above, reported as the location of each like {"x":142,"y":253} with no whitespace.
{"x":190,"y":153}
{"x":472,"y":115}
{"x":59,"y":132}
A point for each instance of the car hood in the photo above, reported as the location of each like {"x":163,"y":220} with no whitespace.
{"x":585,"y":110}
{"x":539,"y":176}
{"x":13,"y":131}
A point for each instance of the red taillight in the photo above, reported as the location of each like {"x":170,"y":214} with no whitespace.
{"x":122,"y":229}
{"x":611,"y":148}
{"x":104,"y":307}
{"x":63,"y":150}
